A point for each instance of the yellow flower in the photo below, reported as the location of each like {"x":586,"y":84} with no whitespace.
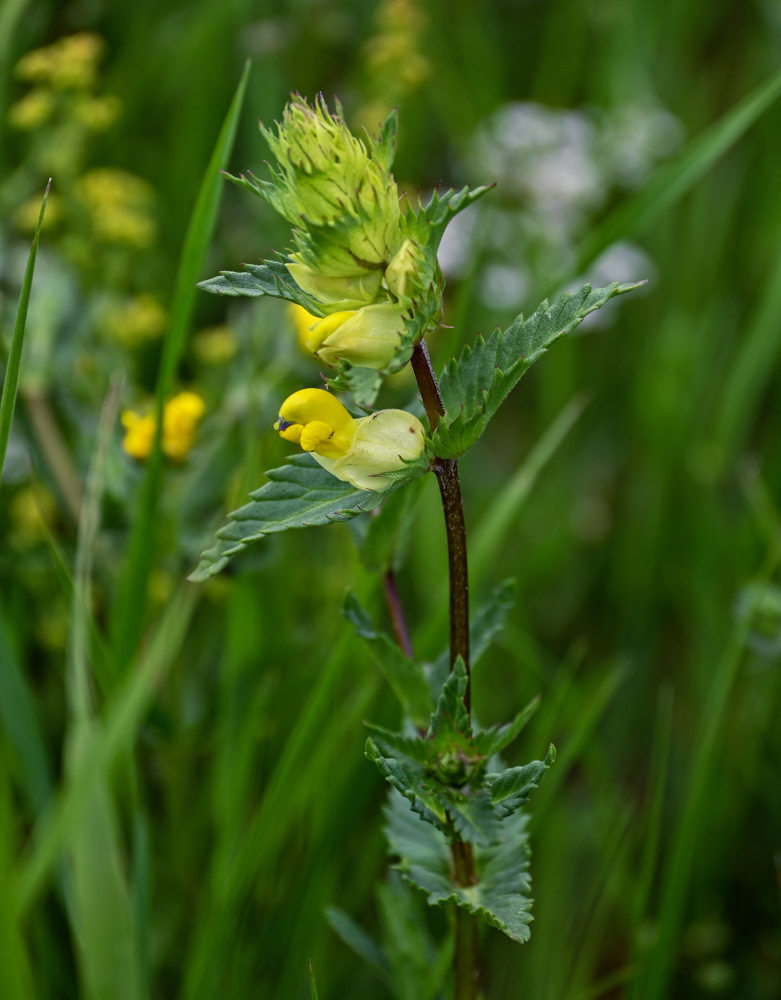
{"x":135,"y":321}
{"x":69,"y":62}
{"x":359,"y":451}
{"x":336,"y":292}
{"x":303,"y":322}
{"x":139,"y":434}
{"x":26,"y":215}
{"x":32,"y":110}
{"x":97,"y":113}
{"x":30,"y":511}
{"x":181,"y":416}
{"x":367,"y":337}
{"x":215,"y":345}
{"x":118,"y":204}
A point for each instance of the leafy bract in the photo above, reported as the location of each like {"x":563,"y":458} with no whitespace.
{"x":298,"y":495}
{"x":270,"y":278}
{"x":492,"y":741}
{"x":443,"y":774}
{"x":422,"y":226}
{"x":511,"y":789}
{"x":500,"y":894}
{"x":474,"y":386}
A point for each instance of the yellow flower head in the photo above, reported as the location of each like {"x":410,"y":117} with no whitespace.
{"x":25,"y":217}
{"x":135,"y":321}
{"x":70,"y":62}
{"x":215,"y":345}
{"x":303,"y":322}
{"x":119,"y":206}
{"x":359,"y":450}
{"x":139,"y":434}
{"x":181,"y":416}
{"x":368,"y":337}
{"x":32,"y":110}
{"x":97,"y":113}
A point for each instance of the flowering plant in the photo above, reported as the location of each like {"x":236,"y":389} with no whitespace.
{"x":366,"y":271}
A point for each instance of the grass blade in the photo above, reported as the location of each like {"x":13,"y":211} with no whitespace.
{"x":130,"y":605}
{"x":101,"y":912}
{"x":107,"y":741}
{"x":11,"y":380}
{"x":654,"y":985}
{"x":674,"y":180}
{"x":752,"y":370}
{"x":20,"y":726}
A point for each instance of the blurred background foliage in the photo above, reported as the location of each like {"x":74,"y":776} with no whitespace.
{"x":182,"y":786}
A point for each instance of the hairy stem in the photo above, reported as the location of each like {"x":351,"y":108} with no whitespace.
{"x":466,"y":967}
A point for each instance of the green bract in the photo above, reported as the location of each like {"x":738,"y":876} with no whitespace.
{"x":354,"y":249}
{"x":330,"y":184}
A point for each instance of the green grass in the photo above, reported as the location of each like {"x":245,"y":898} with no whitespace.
{"x":182,"y":784}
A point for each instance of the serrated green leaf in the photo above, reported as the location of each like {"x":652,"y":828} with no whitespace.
{"x":490,"y":619}
{"x":406,"y":779}
{"x":298,"y":495}
{"x":409,"y":765}
{"x":473,"y":815}
{"x":451,"y":717}
{"x":404,"y":675}
{"x":511,"y":788}
{"x":474,"y":386}
{"x":500,"y":895}
{"x":492,"y":741}
{"x":384,"y":147}
{"x":412,"y":747}
{"x":362,"y":383}
{"x":427,"y":223}
{"x":271,"y":278}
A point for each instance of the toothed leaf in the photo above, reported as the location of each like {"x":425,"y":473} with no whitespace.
{"x":406,"y":779}
{"x":271,"y":278}
{"x":298,"y":495}
{"x":500,"y":895}
{"x":492,"y":741}
{"x":474,"y":386}
{"x":511,"y":789}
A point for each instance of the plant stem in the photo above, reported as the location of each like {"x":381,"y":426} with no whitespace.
{"x":466,"y":968}
{"x":446,"y":470}
{"x":396,"y":612}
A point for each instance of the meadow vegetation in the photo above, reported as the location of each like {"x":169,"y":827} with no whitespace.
{"x":185,"y":808}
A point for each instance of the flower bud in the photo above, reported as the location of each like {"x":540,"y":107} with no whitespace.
{"x":358,"y":451}
{"x":368,"y":337}
{"x":344,"y":201}
{"x":403,"y":271}
{"x":337,"y":293}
